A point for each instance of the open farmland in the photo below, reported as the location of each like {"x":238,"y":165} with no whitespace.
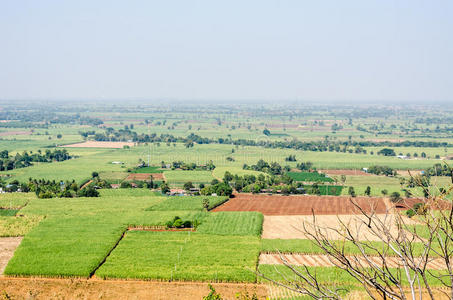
{"x":309,"y":176}
{"x":179,"y":177}
{"x":300,"y":205}
{"x":79,"y":234}
{"x":92,"y":144}
{"x":122,"y":233}
{"x":176,"y":256}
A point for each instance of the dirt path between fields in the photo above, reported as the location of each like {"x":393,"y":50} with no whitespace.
{"x":86,"y":184}
{"x":310,"y":260}
{"x":50,"y":288}
{"x":7,"y":247}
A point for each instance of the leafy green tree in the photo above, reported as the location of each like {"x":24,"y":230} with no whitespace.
{"x":351,"y":191}
{"x":206,"y":204}
{"x":395,"y":197}
{"x":227,"y":177}
{"x":165,"y":188}
{"x":188,"y":185}
{"x":368,"y":191}
{"x":387,"y":152}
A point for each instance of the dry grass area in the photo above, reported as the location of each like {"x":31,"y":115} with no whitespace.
{"x":291,"y":227}
{"x":7,"y":247}
{"x":94,"y":144}
{"x":45,"y":288}
{"x":407,"y":173}
{"x":311,"y":260}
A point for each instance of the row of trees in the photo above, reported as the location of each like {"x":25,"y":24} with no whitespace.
{"x":349,"y":146}
{"x":26,"y":159}
{"x":272,"y":168}
{"x":51,"y":188}
{"x":188,"y":166}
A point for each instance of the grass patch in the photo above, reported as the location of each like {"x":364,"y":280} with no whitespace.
{"x":329,"y":275}
{"x":63,"y":247}
{"x":232,"y":223}
{"x":182,"y":256}
{"x":8,"y":212}
{"x":305,"y":246}
{"x":150,"y":169}
{"x":178,"y":176}
{"x":187,"y":203}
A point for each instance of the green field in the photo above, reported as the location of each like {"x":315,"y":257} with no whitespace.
{"x":177,"y":176}
{"x":233,"y":223}
{"x":61,"y":247}
{"x":183,"y":256}
{"x":81,"y":237}
{"x":150,"y":169}
{"x":79,"y":233}
{"x":187,"y":203}
{"x":309,"y":177}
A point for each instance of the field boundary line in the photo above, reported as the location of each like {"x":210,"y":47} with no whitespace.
{"x":108,"y":254}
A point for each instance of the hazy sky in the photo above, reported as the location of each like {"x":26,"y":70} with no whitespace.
{"x":360,"y":50}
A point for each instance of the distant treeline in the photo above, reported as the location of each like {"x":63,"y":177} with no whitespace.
{"x":26,"y":159}
{"x":43,"y":119}
{"x":123,"y":135}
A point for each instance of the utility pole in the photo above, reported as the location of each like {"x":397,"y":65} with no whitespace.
{"x":149,"y":147}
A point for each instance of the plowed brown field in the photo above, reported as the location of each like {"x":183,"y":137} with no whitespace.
{"x":301,"y":205}
{"x":53,"y":288}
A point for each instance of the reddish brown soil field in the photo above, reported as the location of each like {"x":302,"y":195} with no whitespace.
{"x":94,"y":144}
{"x":145,"y":176}
{"x":301,"y":205}
{"x":47,"y":288}
{"x":5,"y":133}
{"x":345,"y":172}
